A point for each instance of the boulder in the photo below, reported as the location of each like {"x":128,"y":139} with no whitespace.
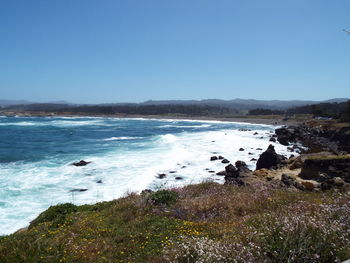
{"x":231,"y":171}
{"x":241,"y":149}
{"x":213,"y":158}
{"x":222,"y":173}
{"x":287,"y":180}
{"x":272,"y":139}
{"x":225,"y":161}
{"x":78,"y":190}
{"x":161,"y":176}
{"x":81,"y":163}
{"x":220,"y":157}
{"x":269,"y":159}
{"x":321,"y":168}
{"x":285,"y":135}
{"x":240,"y":164}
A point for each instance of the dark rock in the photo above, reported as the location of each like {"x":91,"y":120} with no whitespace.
{"x":268,"y":159}
{"x":231,"y":171}
{"x":172,"y":172}
{"x":211,"y":171}
{"x":221,"y":157}
{"x":287,"y":180}
{"x":285,"y":135}
{"x":319,"y":168}
{"x":161,"y":176}
{"x":213,"y":158}
{"x":242,"y":168}
{"x":78,"y":190}
{"x":253,"y":159}
{"x":258,"y":149}
{"x":240,"y":164}
{"x":250,"y":153}
{"x":299,"y":186}
{"x":81,"y":163}
{"x":235,"y":181}
{"x":225,"y":161}
{"x":221,"y":173}
{"x":255,"y":133}
{"x":178,"y":177}
{"x":272,"y":139}
{"x":241,"y":149}
{"x":99,"y":181}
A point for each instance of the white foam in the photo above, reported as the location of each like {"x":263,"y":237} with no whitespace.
{"x":185,"y":126}
{"x":22,"y":123}
{"x":121,"y":138}
{"x":33,"y":187}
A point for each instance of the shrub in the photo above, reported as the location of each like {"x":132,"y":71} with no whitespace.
{"x":164,"y":197}
{"x":56,"y":215}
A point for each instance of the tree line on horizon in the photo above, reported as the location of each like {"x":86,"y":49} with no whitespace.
{"x":333,"y":110}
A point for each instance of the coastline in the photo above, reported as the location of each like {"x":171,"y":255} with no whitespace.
{"x":275,"y":120}
{"x":173,"y":213}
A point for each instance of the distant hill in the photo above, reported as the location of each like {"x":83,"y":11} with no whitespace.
{"x":238,"y":106}
{"x":245,"y":104}
{"x":5,"y":103}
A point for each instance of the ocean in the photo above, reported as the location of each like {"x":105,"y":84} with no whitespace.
{"x":126,"y":155}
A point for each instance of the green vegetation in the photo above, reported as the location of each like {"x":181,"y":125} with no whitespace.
{"x":330,"y":157}
{"x":207,"y":222}
{"x":54,"y":214}
{"x":164,"y":197}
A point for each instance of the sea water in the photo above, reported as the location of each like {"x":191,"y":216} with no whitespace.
{"x":126,"y":155}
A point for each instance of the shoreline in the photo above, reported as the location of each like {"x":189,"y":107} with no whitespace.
{"x":275,"y":120}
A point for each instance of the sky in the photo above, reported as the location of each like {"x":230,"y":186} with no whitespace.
{"x":104,"y":51}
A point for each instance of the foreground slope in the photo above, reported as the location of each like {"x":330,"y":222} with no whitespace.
{"x":207,"y":222}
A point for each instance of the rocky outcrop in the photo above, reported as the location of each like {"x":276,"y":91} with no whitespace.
{"x":269,"y":159}
{"x":237,"y":174}
{"x":316,"y":138}
{"x":324,"y":168}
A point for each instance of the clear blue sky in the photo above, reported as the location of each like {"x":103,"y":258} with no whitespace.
{"x":118,"y":51}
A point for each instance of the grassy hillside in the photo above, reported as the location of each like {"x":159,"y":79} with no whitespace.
{"x":207,"y":222}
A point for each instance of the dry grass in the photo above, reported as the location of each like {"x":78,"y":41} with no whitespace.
{"x":206,"y":222}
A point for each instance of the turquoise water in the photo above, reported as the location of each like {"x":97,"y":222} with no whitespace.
{"x":125,"y":154}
